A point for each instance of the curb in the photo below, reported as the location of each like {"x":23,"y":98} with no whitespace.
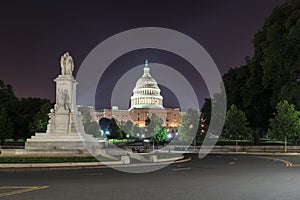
{"x":238,"y":153}
{"x":82,"y":165}
{"x":27,"y":167}
{"x":257,"y":153}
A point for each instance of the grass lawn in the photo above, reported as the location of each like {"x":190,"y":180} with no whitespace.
{"x":14,"y":141}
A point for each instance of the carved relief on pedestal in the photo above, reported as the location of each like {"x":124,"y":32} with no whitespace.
{"x":64,"y":100}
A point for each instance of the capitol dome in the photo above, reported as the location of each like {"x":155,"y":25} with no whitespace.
{"x":146,"y":93}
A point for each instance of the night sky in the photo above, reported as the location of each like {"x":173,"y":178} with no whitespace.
{"x":34,"y":34}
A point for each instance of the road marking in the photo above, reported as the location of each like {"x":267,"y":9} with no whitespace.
{"x":287,"y":163}
{"x":231,"y":163}
{"x":295,"y":165}
{"x":181,"y":169}
{"x":20,"y":189}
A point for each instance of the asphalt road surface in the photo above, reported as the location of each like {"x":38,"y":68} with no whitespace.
{"x":216,"y":177}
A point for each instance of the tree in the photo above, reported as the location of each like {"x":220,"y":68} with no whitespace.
{"x":202,"y":129}
{"x":29,"y":115}
{"x":234,"y":81}
{"x":273,"y":73}
{"x":147,"y":121}
{"x":126,"y":127}
{"x":236,"y":125}
{"x":189,"y":125}
{"x":90,"y":126}
{"x":154,"y":125}
{"x":114,"y":130}
{"x":286,"y":123}
{"x":256,"y":100}
{"x":6,"y":93}
{"x":277,"y":50}
{"x":6,"y":126}
{"x":40,"y":120}
{"x":135,"y":130}
{"x":161,"y":136}
{"x":22,"y":112}
{"x":205,"y":114}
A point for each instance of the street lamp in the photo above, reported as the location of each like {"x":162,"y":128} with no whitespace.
{"x":170,"y":137}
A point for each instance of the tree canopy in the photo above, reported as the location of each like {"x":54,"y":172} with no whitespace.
{"x":91,"y":126}
{"x":161,"y":136}
{"x":115,"y":132}
{"x":286,"y":122}
{"x":40,"y":120}
{"x":189,"y":125}
{"x":154,"y":125}
{"x":6,"y":126}
{"x":273,"y":73}
{"x":22,"y":116}
{"x":236,"y":125}
{"x":6,"y":93}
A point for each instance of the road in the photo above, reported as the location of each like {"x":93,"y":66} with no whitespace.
{"x":216,"y":177}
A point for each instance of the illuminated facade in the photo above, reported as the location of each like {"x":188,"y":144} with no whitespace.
{"x":145,"y":101}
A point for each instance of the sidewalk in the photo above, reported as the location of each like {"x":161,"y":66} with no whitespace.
{"x":81,"y":165}
{"x":77,"y":165}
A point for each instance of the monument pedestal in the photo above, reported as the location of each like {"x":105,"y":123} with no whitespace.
{"x":65,"y":131}
{"x":58,"y":142}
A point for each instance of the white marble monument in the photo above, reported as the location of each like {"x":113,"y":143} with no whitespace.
{"x":65,"y":132}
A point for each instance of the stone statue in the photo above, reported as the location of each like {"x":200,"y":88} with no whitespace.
{"x":67,"y":64}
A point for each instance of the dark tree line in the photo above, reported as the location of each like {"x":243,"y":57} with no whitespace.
{"x":271,"y":75}
{"x":21,"y":117}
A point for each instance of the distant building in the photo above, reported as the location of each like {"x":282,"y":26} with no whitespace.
{"x":145,"y":101}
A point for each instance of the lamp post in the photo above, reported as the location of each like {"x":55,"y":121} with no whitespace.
{"x":170,"y":137}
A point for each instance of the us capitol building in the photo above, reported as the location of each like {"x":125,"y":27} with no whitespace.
{"x":145,"y":101}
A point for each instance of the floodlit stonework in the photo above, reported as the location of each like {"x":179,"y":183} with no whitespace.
{"x":145,"y":101}
{"x":65,"y":130}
